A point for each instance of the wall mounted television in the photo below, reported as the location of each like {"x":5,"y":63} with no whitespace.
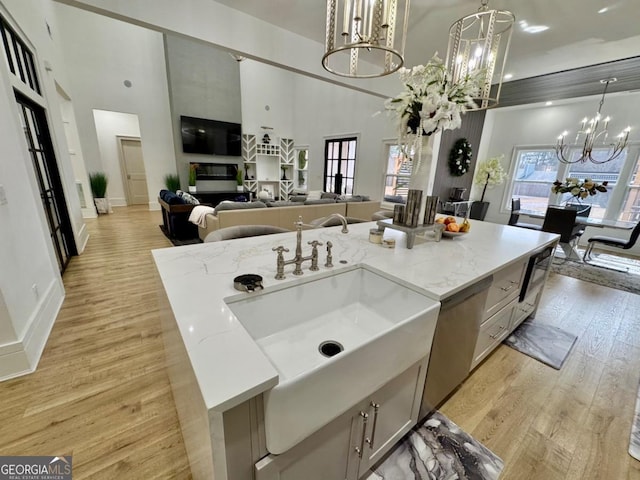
{"x":212,"y":137}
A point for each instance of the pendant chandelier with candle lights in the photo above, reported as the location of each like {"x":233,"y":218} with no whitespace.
{"x":362,"y":39}
{"x":593,"y":133}
{"x":480,"y":42}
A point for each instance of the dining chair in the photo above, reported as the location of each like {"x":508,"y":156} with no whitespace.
{"x":612,"y":242}
{"x":515,"y":216}
{"x":561,"y":221}
{"x":581,"y":211}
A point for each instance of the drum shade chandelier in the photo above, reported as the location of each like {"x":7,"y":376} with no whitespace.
{"x":362,"y":40}
{"x":480,"y":41}
{"x":593,"y":134}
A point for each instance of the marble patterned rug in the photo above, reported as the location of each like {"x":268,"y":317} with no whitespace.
{"x":547,"y":344}
{"x":438,"y":450}
{"x":634,"y":441}
{"x":612,"y":271}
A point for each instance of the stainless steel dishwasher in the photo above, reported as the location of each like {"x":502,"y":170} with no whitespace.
{"x":454,"y":343}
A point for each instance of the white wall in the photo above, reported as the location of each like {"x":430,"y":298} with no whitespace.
{"x":235,"y":31}
{"x":540,"y":125}
{"x":75,"y":153}
{"x":309,"y":111}
{"x":110,"y":125}
{"x":29,"y":279}
{"x":101,"y":54}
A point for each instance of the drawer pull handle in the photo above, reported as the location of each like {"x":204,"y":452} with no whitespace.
{"x":370,"y":441}
{"x":497,"y":334}
{"x":360,"y":449}
{"x":506,"y":289}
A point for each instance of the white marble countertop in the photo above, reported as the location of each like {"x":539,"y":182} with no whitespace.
{"x":230,"y":367}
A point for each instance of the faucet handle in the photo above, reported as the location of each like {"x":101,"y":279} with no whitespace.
{"x":279,"y":249}
{"x":315,"y":243}
{"x":329,"y":262}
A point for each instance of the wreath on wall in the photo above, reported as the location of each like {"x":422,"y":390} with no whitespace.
{"x":460,"y":157}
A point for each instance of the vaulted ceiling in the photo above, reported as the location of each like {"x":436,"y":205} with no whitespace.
{"x":580,"y":32}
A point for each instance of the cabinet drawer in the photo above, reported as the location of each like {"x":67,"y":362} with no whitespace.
{"x":505,"y":287}
{"x":492,"y":332}
{"x":525,"y":308}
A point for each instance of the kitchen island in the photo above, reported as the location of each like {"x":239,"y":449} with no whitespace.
{"x":218,"y":371}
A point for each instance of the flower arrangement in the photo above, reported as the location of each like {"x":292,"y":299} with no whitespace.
{"x":577,"y":188}
{"x":460,"y":157}
{"x":489,"y":172}
{"x":431,"y":101}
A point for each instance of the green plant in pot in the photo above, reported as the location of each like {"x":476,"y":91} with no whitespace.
{"x":193,"y":170}
{"x":172,"y":182}
{"x":240,"y":180}
{"x":302,"y":159}
{"x":489,"y":173}
{"x":98,"y":182}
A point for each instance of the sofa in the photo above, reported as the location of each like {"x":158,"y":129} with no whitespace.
{"x":284,"y":216}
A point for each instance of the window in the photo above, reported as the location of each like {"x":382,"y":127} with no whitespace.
{"x":340,"y":165}
{"x":536,"y":169}
{"x":535,"y":172}
{"x":18,"y":57}
{"x":398,"y":175}
{"x":630,"y":208}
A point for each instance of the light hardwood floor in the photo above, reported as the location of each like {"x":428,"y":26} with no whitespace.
{"x":101,"y":392}
{"x":572,"y":423}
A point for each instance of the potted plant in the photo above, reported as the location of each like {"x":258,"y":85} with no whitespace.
{"x":98,"y":182}
{"x":239,"y":180}
{"x":489,"y":173}
{"x":193,"y":167}
{"x":302,"y":159}
{"x":172,"y":182}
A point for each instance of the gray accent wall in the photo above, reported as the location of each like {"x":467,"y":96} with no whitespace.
{"x":471,"y":129}
{"x":204,"y":82}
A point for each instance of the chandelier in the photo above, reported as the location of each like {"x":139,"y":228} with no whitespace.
{"x":595,"y":135}
{"x":368,"y":47}
{"x":480,"y":41}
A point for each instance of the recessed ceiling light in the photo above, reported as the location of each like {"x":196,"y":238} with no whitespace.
{"x":535,"y":28}
{"x":548,"y":103}
{"x":508,"y":76}
{"x":603,"y":10}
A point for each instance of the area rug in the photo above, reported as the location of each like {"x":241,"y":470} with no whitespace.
{"x":179,"y":242}
{"x":634,"y":441}
{"x":438,"y":449}
{"x":627,"y":281}
{"x":547,"y":344}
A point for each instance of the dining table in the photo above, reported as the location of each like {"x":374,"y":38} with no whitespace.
{"x":569,"y":249}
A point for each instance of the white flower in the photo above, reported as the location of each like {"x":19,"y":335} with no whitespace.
{"x":430,"y":100}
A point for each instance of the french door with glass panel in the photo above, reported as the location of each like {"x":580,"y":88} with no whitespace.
{"x":36,"y":130}
{"x":340,"y":165}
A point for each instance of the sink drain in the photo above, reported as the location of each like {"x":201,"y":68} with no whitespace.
{"x":330,"y":348}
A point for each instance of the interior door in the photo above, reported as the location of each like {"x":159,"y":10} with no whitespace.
{"x":36,"y":130}
{"x":133,"y":171}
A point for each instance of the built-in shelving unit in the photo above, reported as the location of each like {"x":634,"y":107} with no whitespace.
{"x":269,"y":166}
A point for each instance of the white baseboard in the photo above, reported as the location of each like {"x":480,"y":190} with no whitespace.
{"x":154,"y":206}
{"x":89,"y":212}
{"x":118,"y":202}
{"x":22,"y":357}
{"x":83,"y":238}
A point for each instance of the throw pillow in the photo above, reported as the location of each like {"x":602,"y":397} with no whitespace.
{"x":314,"y":195}
{"x":238,"y":206}
{"x":320,"y":201}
